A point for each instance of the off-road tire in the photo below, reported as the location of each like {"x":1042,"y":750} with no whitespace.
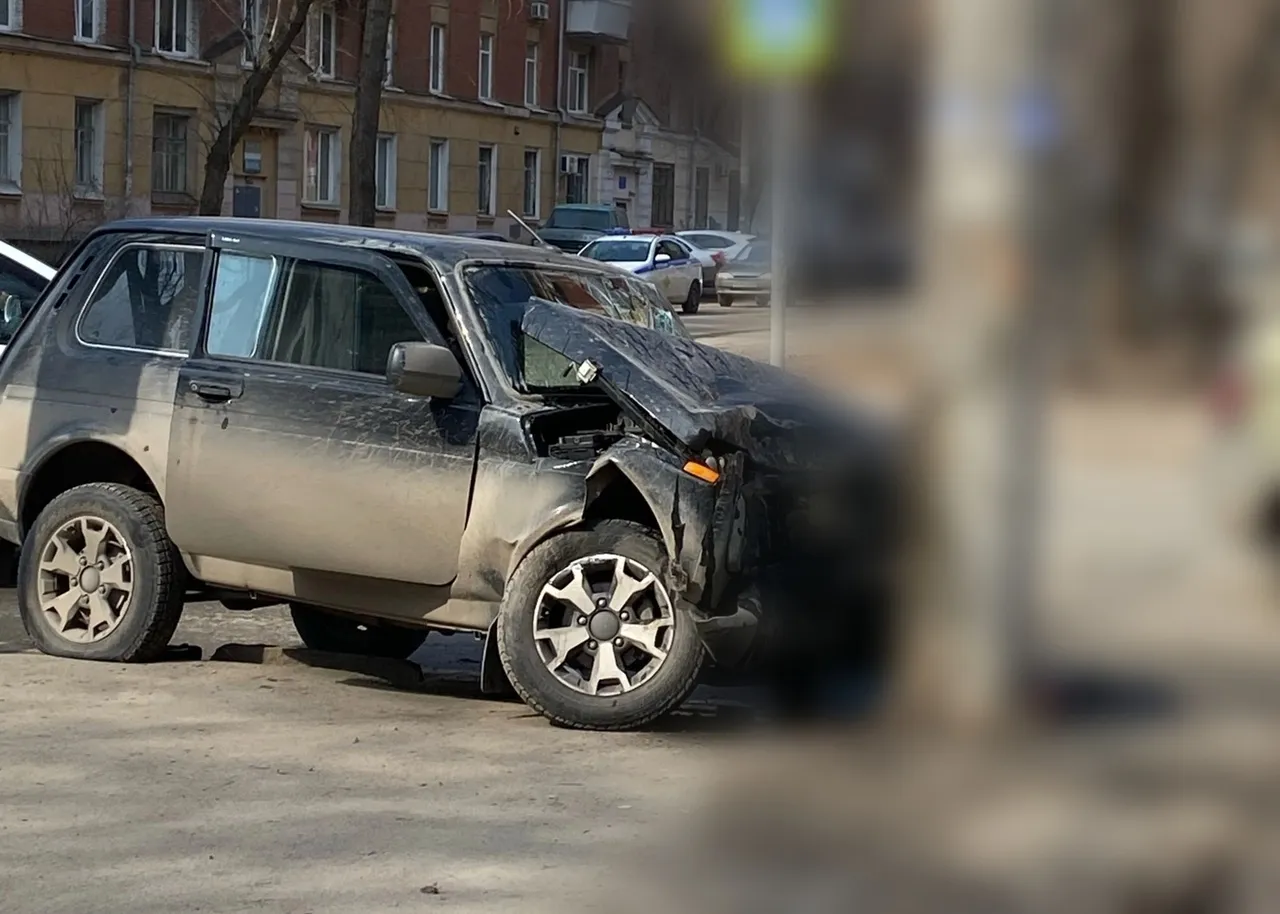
{"x":539,"y":688}
{"x":694,"y":300}
{"x":159,"y":577}
{"x":332,"y":633}
{"x":726,"y":301}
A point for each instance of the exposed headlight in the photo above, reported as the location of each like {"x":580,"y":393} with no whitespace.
{"x":767,"y":277}
{"x":726,"y":276}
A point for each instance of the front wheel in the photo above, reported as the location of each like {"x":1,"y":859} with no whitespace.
{"x":589,"y":634}
{"x":693,"y":300}
{"x":325,"y":631}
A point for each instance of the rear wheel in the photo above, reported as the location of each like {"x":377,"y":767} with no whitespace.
{"x":322,"y":630}
{"x":98,"y":578}
{"x":589,"y":635}
{"x":693,"y":300}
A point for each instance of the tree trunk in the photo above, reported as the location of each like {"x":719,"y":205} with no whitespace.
{"x":232,"y":130}
{"x":363,"y":154}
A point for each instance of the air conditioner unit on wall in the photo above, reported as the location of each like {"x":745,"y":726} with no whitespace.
{"x":722,"y":170}
{"x":539,"y":11}
{"x":568,"y":165}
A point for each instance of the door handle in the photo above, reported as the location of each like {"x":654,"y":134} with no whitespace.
{"x":214,"y":393}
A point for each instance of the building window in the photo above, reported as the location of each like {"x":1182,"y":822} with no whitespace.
{"x":485,"y":82}
{"x":386,"y":172}
{"x":322,"y":40}
{"x":88,"y":20}
{"x":10,"y":140}
{"x":579,"y":88}
{"x":532,"y":182}
{"x":577,"y":179}
{"x":438,"y":177}
{"x":389,"y":74}
{"x":531,"y":75}
{"x":8,"y":15}
{"x":664,"y":196}
{"x":437,"y":54}
{"x":169,"y":154}
{"x":322,"y":166}
{"x":88,"y":147}
{"x":485,"y":184}
{"x":252,"y":26}
{"x":701,"y":196}
{"x":175,"y":28}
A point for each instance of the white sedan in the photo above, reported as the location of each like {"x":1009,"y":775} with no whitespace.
{"x":664,"y":260}
{"x":22,"y":279}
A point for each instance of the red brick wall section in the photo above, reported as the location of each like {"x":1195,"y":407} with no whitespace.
{"x":49,"y":19}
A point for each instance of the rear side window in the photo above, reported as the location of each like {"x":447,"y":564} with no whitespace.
{"x":146,"y":300}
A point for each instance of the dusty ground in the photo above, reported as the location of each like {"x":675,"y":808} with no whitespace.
{"x":227,"y":787}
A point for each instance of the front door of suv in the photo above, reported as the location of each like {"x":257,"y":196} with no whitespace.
{"x":289,"y":449}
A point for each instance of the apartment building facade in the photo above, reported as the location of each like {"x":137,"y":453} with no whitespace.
{"x":107,"y":108}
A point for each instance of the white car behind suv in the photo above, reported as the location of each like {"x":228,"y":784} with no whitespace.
{"x":22,"y":279}
{"x":664,"y":260}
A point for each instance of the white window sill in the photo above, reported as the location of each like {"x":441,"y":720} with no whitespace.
{"x":88,"y":196}
{"x":333,"y":205}
{"x":386,"y":210}
{"x":10,"y":189}
{"x":93,"y":43}
{"x":175,"y":56}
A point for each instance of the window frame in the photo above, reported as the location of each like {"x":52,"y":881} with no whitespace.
{"x":188,"y":31}
{"x":532,"y":65}
{"x":12,"y":13}
{"x":334,"y":135}
{"x":584,"y":172}
{"x":437,"y":58}
{"x":251,"y":30}
{"x":492,"y":202}
{"x":11,"y":103}
{"x":578,"y":83}
{"x":94,"y":189}
{"x":484,"y":76}
{"x":96,"y":17}
{"x":387,"y":203}
{"x":443,"y":189}
{"x":197,"y":330}
{"x":327,"y":66}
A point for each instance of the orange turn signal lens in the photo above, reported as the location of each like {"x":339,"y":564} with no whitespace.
{"x":702,"y":471}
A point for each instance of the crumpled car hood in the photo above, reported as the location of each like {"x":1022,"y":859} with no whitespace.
{"x":701,"y":394}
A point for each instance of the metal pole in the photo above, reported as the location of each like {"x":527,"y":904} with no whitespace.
{"x":784,"y":121}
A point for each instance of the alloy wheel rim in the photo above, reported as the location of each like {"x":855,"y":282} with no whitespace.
{"x":85,"y":580}
{"x":604,"y":625}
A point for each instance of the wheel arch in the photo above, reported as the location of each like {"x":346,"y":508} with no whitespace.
{"x":76,"y":460}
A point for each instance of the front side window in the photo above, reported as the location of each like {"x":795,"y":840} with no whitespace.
{"x":88,"y":20}
{"x":146,"y":300}
{"x":169,"y":154}
{"x":485,"y":203}
{"x":485,"y":81}
{"x":438,"y":177}
{"x":579,"y":89}
{"x":502,"y":294}
{"x":437,"y":58}
{"x":385,"y":172}
{"x":19,"y":290}
{"x":175,"y":33}
{"x":321,"y":166}
{"x":88,"y":147}
{"x":322,"y":40}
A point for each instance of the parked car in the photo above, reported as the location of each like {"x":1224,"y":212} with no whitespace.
{"x":663,"y":260}
{"x":747,"y":275}
{"x":22,"y":279}
{"x":396,"y":433}
{"x":727,"y":243}
{"x":571,"y":226}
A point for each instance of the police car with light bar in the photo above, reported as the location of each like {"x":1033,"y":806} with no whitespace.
{"x":664,"y":260}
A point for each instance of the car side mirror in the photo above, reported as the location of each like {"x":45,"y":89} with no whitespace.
{"x":662,"y":258}
{"x":424,"y":370}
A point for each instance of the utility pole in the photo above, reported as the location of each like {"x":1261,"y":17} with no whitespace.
{"x":982,"y":334}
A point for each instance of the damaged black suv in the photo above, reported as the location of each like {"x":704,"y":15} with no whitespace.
{"x":397,"y":433}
